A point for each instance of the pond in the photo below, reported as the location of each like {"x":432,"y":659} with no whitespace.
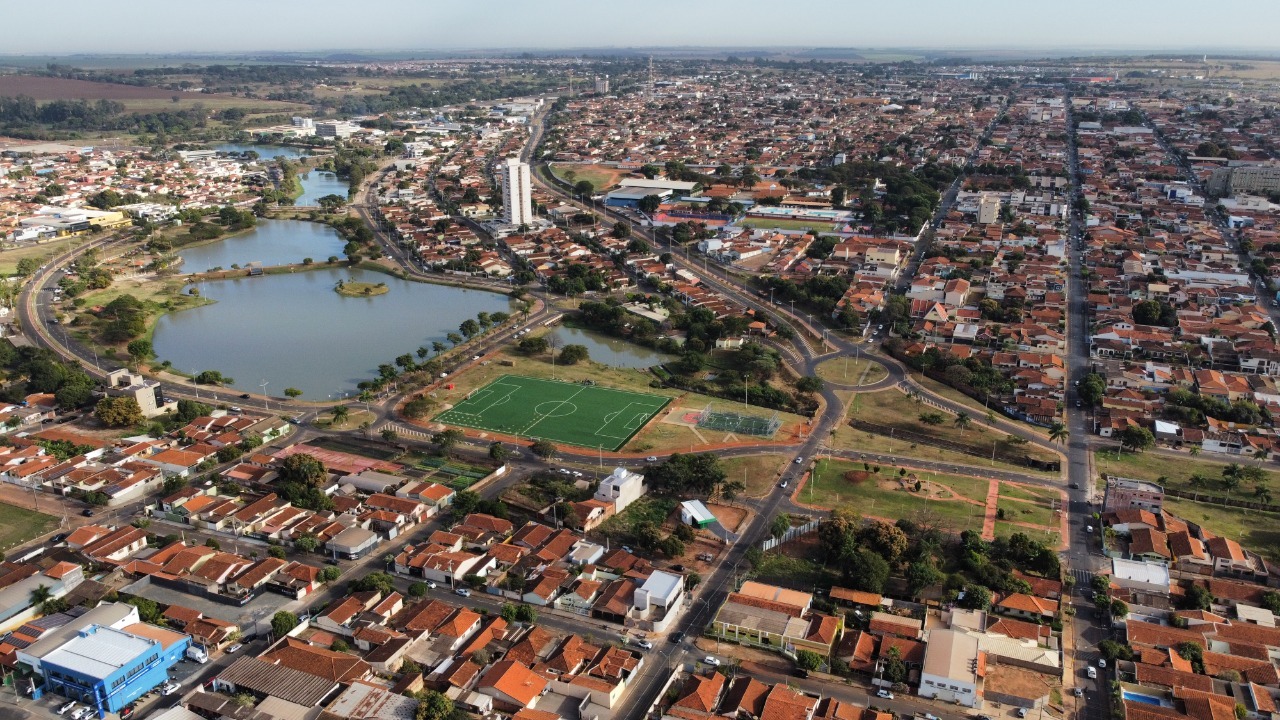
{"x":271,"y":242}
{"x":294,"y":330}
{"x":315,"y":184}
{"x":608,"y":350}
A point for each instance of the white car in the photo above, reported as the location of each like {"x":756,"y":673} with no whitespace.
{"x":644,"y":644}
{"x":882,"y":693}
{"x":67,"y":708}
{"x":711,"y":660}
{"x":1102,"y":662}
{"x":79,"y":713}
{"x":234,"y":648}
{"x":431,"y":584}
{"x":463,"y":592}
{"x":169,"y":688}
{"x":651,"y":458}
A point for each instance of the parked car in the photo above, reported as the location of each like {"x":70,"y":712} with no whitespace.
{"x":644,"y":644}
{"x":1078,"y":692}
{"x":244,"y":396}
{"x":462,"y":591}
{"x":79,"y":713}
{"x":234,"y":648}
{"x":931,"y":716}
{"x":431,"y":584}
{"x":87,"y":512}
{"x":1075,"y":486}
{"x":882,"y":693}
{"x":1102,"y":662}
{"x":800,"y":672}
{"x":1092,"y":672}
{"x":1022,"y":712}
{"x":676,"y":637}
{"x":711,"y":660}
{"x":169,"y":688}
{"x":67,"y":708}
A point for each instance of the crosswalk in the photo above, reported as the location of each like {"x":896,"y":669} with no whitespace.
{"x":1084,"y":578}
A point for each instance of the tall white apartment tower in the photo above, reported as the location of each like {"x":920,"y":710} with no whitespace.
{"x":517,"y":206}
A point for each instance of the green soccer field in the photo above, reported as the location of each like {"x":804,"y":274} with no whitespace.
{"x":582,"y":415}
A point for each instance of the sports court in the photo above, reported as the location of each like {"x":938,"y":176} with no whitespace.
{"x":571,"y":413}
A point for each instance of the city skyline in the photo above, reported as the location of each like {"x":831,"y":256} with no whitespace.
{"x":241,"y":26}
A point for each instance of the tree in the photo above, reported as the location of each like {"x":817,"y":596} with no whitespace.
{"x":340,"y":414}
{"x":621,"y":229}
{"x":433,"y":706}
{"x":584,"y":187}
{"x":118,"y":411}
{"x":533,"y":345}
{"x":1197,"y":598}
{"x":1059,"y":433}
{"x":920,"y":575}
{"x":779,"y":526}
{"x":446,"y":440}
{"x":498,"y":452}
{"x":40,"y":594}
{"x":865,"y":571}
{"x":543,"y":449}
{"x":417,"y":589}
{"x":304,"y":469}
{"x":283,"y":622}
{"x":686,"y":473}
{"x":573,"y":354}
{"x":276,"y":551}
{"x":649,"y":204}
{"x":1137,"y":438}
{"x":887,"y":541}
{"x":292,"y":392}
{"x":140,"y":350}
{"x":963,"y":420}
{"x":469,"y":328}
{"x":809,"y":384}
{"x":976,"y":597}
{"x":808,"y":660}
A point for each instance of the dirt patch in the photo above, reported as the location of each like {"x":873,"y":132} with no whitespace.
{"x":857,"y":477}
{"x":730,"y":517}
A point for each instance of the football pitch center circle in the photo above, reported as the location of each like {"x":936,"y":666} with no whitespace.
{"x":555,"y":408}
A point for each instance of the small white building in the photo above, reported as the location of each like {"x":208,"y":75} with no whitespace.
{"x":621,"y":488}
{"x":656,"y":604}
{"x":952,"y":669}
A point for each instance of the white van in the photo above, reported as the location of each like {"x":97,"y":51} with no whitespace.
{"x":1092,"y":672}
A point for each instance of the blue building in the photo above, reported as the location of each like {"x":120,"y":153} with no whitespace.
{"x":107,"y":668}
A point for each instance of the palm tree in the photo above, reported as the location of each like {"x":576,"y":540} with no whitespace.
{"x":340,"y":414}
{"x":41,"y":594}
{"x":1263,"y":494}
{"x":1195,"y":450}
{"x":962,"y":421}
{"x":1059,"y":433}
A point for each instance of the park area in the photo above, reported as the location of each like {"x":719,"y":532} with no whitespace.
{"x":954,"y":503}
{"x":601,"y":177}
{"x":584,"y":415}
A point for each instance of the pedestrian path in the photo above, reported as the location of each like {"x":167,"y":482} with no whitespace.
{"x":993,"y":502}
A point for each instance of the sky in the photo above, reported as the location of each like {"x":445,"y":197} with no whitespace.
{"x":168,"y":26}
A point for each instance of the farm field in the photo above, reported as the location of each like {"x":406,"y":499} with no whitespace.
{"x":137,"y":99}
{"x":577,"y":414}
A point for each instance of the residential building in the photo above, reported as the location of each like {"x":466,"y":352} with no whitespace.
{"x":953,"y":668}
{"x":517,"y":202}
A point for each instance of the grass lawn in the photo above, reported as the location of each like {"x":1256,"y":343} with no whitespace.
{"x":852,"y":371}
{"x":854,"y":439}
{"x":1019,"y":511}
{"x":355,"y":419}
{"x":1177,"y":471}
{"x":894,"y":409}
{"x":1257,"y":531}
{"x":758,"y":472}
{"x":1050,"y":537}
{"x":979,"y":412}
{"x":573,"y":413}
{"x":602,"y":177}
{"x":879,"y":495}
{"x":10,"y":253}
{"x":1028,"y":493}
{"x":18,"y":525}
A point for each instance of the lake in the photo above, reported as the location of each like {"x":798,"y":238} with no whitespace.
{"x":294,"y":330}
{"x":315,"y":184}
{"x":609,"y":350}
{"x":271,"y":242}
